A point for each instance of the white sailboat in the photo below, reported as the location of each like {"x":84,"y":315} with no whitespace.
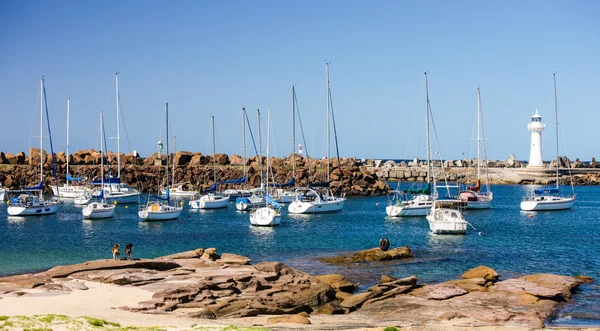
{"x":256,"y":197}
{"x":101,"y":209}
{"x":472,"y":196}
{"x":269,"y":214}
{"x":211,"y":200}
{"x":311,"y":200}
{"x":281,"y":194}
{"x":68,"y":190}
{"x":28,"y":204}
{"x":240,"y":194}
{"x":443,"y":217}
{"x":550,"y":198}
{"x":415,"y":202}
{"x":114,"y":190}
{"x":160,"y":210}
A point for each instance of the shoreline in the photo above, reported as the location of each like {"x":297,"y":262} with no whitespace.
{"x":141,"y":293}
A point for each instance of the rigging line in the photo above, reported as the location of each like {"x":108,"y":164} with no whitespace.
{"x":251,"y":134}
{"x":50,"y":138}
{"x":568,"y":160}
{"x":234,"y":135}
{"x":109,"y":94}
{"x":487,"y":175}
{"x":33,"y":118}
{"x":439,"y":152}
{"x":122,"y":113}
{"x":337,"y":150}
{"x":303,"y":138}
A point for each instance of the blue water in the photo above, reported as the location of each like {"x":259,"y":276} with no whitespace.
{"x":506,"y":239}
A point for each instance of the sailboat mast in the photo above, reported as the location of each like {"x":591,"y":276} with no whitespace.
{"x":259,"y":148}
{"x":556,"y":124}
{"x":68,"y":120}
{"x":212,"y":124}
{"x":167,"y":167}
{"x":175,"y":148}
{"x":244,"y":138}
{"x":102,"y":150}
{"x":293,"y":133}
{"x":118,"y":126}
{"x":328,"y":119}
{"x":268,"y":141}
{"x":478,"y":133}
{"x":427,"y":129}
{"x":41,"y":131}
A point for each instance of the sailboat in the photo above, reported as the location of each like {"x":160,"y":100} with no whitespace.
{"x":160,"y":210}
{"x":211,"y":200}
{"x":100,"y":209}
{"x":415,"y":202}
{"x":68,"y":190}
{"x":27,"y":204}
{"x":310,"y":199}
{"x":443,"y":218}
{"x":176,"y":190}
{"x":113,"y":189}
{"x":270,"y":213}
{"x":550,"y":198}
{"x":3,"y":193}
{"x":256,"y":197}
{"x":472,"y":196}
{"x":281,"y":194}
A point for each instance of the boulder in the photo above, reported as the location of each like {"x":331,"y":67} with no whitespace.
{"x":471,"y":284}
{"x":563,"y":284}
{"x":331,"y":308}
{"x":211,"y":254}
{"x":338,"y":282}
{"x":373,"y":254}
{"x":3,"y":159}
{"x":193,"y":254}
{"x":182,"y":158}
{"x":236,"y":160}
{"x":222,"y":159}
{"x":234,"y":259}
{"x":521,"y":285}
{"x":484,"y":272}
{"x":357,"y":300}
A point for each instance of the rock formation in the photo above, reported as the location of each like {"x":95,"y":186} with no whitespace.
{"x":204,"y":284}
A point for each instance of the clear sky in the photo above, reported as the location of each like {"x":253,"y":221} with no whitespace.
{"x":213,"y":57}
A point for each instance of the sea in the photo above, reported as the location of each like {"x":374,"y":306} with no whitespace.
{"x":512,"y":242}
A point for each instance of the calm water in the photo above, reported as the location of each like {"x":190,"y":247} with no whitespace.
{"x":511,"y":242}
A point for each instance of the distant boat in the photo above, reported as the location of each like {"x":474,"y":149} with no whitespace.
{"x":550,"y":198}
{"x":160,"y":210}
{"x":68,"y":190}
{"x":472,"y":196}
{"x":269,"y":214}
{"x":211,"y":200}
{"x":310,"y":199}
{"x":101,"y":209}
{"x":114,"y":190}
{"x":26,"y":204}
{"x":415,"y":202}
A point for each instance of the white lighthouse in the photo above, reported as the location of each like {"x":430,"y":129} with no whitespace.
{"x":536,"y":127}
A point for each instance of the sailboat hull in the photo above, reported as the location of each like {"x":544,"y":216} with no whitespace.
{"x":49,"y":209}
{"x":122,"y":198}
{"x":446,"y":221}
{"x":98,"y":212}
{"x":265,"y":216}
{"x":209,"y":202}
{"x":69,"y":191}
{"x":410,"y":211}
{"x":548,"y":203}
{"x":303,"y":207}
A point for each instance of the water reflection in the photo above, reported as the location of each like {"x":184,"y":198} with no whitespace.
{"x":153,"y":227}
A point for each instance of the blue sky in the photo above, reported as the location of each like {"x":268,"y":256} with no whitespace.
{"x":213,"y":57}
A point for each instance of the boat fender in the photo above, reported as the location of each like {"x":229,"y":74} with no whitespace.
{"x":384,"y":244}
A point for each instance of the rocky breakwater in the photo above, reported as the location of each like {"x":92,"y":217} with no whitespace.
{"x":202,"y":284}
{"x":192,"y":170}
{"x":509,"y":171}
